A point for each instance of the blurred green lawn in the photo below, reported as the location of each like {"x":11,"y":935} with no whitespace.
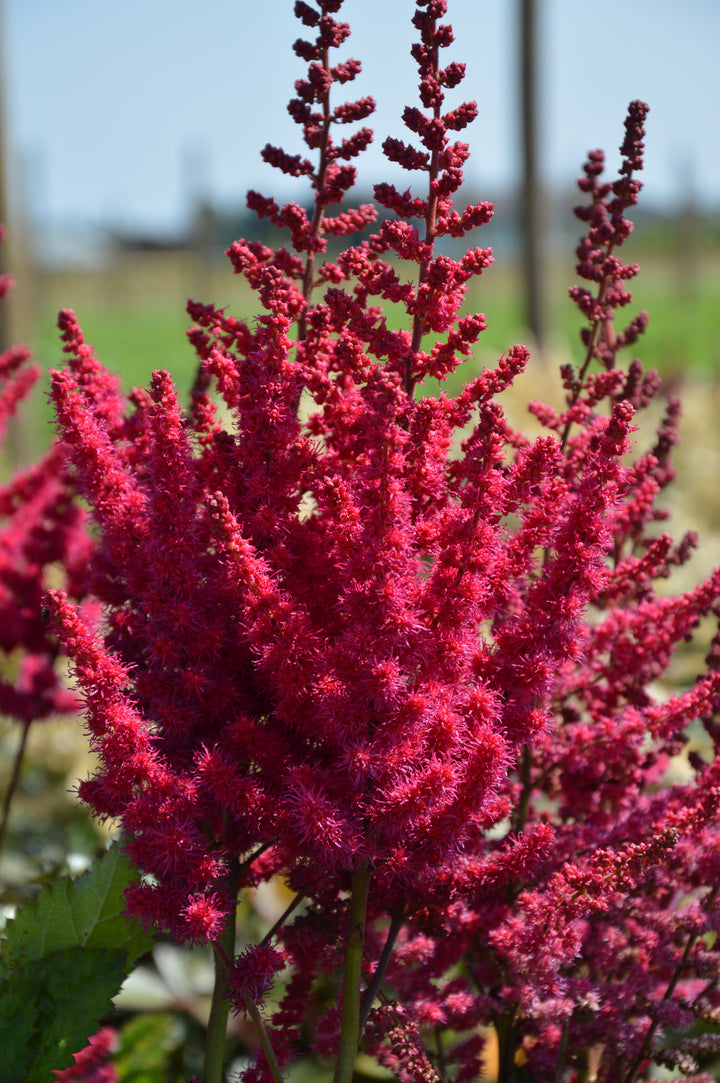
{"x":134,"y":315}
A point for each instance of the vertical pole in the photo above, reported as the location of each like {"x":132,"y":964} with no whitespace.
{"x":14,"y":258}
{"x":5,"y":323}
{"x":531,"y":195}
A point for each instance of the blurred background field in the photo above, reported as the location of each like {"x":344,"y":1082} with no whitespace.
{"x":132,"y":308}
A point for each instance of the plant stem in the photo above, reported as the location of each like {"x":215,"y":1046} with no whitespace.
{"x":252,"y":1010}
{"x":224,"y":951}
{"x":560,"y":1066}
{"x":282,"y":919}
{"x":374,"y":987}
{"x":350,"y":1032}
{"x":505,"y":1027}
{"x":13,"y":783}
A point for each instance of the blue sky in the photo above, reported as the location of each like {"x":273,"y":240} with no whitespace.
{"x":121,"y":111}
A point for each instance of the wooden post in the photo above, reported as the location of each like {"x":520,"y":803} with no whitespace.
{"x":531,"y":211}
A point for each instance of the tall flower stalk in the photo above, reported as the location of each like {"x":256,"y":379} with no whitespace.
{"x":389,"y":649}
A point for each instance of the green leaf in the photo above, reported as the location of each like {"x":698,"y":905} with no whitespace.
{"x":51,"y":1007}
{"x":18,"y":1021}
{"x":62,"y":960}
{"x":87,"y":912}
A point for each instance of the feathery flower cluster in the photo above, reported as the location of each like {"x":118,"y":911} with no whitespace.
{"x":40,"y":527}
{"x":293,"y":656}
{"x":601,"y":942}
{"x":384,"y":644}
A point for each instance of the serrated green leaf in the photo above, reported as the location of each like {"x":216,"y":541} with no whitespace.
{"x":51,"y":1007}
{"x":18,"y":1020}
{"x":64,"y":956}
{"x":77,"y":991}
{"x":87,"y":912}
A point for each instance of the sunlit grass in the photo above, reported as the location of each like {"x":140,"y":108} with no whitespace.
{"x":136,"y":318}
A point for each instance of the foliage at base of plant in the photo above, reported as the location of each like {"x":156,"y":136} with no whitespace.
{"x":62,"y":959}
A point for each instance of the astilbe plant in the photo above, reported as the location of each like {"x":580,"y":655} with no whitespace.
{"x":389,"y":649}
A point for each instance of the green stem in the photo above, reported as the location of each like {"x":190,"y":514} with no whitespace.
{"x":13,"y":783}
{"x":252,"y":1010}
{"x":350,"y":1032}
{"x":224,"y":951}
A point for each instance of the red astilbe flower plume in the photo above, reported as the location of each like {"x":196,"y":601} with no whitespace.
{"x":331,"y":178}
{"x":604,"y":936}
{"x":41,"y":528}
{"x":295,"y":605}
